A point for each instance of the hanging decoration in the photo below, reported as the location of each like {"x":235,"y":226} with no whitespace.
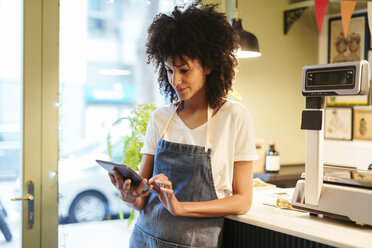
{"x":320,"y":10}
{"x":347,"y":9}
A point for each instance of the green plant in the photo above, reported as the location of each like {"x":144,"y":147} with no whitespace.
{"x":132,"y":143}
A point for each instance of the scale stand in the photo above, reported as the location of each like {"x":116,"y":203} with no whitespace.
{"x":316,"y":197}
{"x":313,"y":123}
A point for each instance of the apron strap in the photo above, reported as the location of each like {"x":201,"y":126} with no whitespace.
{"x":169,"y":120}
{"x":209,"y":126}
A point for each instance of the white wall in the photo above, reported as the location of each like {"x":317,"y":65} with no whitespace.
{"x":271,"y":84}
{"x":356,"y":153}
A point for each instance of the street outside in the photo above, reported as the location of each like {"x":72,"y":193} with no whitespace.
{"x":109,"y":233}
{"x":113,"y":233}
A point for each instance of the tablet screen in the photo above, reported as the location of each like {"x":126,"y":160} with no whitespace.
{"x":124,"y":171}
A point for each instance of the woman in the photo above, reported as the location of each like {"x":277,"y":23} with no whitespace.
{"x":198,"y":151}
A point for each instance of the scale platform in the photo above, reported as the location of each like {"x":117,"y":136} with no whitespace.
{"x":348,"y":176}
{"x":346,"y":194}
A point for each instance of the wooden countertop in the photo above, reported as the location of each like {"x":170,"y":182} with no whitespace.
{"x":300,"y":224}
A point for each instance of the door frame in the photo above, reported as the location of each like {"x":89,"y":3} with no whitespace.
{"x":40,"y":119}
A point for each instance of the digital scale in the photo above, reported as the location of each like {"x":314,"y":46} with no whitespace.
{"x":339,"y":192}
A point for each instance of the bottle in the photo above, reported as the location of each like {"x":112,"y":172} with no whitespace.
{"x":272,"y":159}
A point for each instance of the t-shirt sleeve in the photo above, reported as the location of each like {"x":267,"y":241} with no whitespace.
{"x":245,"y":148}
{"x":151,"y":137}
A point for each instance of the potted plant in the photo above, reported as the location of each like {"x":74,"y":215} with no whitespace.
{"x":132,"y":143}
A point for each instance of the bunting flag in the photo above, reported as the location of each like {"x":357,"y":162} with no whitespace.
{"x":320,"y":10}
{"x":347,"y":9}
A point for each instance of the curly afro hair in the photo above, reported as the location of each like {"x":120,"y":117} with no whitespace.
{"x":199,"y":32}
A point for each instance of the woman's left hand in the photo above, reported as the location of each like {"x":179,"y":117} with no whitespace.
{"x":166,"y":194}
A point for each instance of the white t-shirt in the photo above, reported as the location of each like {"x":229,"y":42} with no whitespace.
{"x":231,"y":139}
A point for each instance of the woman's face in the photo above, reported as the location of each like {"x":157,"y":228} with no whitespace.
{"x":187,"y":77}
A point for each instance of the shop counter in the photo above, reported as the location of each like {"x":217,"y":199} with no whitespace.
{"x":269,"y":226}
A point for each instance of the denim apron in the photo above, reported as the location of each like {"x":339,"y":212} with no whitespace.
{"x":188,"y":167}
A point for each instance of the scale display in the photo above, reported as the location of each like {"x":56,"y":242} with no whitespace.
{"x":350,"y":78}
{"x":331,"y":78}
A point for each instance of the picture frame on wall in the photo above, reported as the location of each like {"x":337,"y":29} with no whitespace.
{"x":338,"y":123}
{"x":362,"y":122}
{"x":353,"y":48}
{"x":348,"y":100}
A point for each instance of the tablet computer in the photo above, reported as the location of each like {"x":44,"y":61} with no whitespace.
{"x":123,"y":170}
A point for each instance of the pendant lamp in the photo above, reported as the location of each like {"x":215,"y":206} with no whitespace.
{"x":248,"y":41}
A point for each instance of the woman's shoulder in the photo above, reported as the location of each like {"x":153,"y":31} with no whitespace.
{"x":234,"y":108}
{"x":163,"y":111}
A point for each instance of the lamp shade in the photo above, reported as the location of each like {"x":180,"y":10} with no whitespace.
{"x":248,"y":41}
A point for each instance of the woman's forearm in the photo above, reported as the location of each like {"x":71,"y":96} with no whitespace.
{"x":146,"y":167}
{"x":138,"y":204}
{"x":235,"y":204}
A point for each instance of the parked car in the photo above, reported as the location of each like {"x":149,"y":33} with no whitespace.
{"x":85,"y":190}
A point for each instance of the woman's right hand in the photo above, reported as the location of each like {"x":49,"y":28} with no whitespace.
{"x":128,"y":193}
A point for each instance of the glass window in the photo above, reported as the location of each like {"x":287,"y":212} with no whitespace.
{"x":103,"y":75}
{"x":11,"y":29}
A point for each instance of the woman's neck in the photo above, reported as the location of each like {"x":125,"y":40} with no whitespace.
{"x":196,"y":103}
{"x":193,"y":112}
